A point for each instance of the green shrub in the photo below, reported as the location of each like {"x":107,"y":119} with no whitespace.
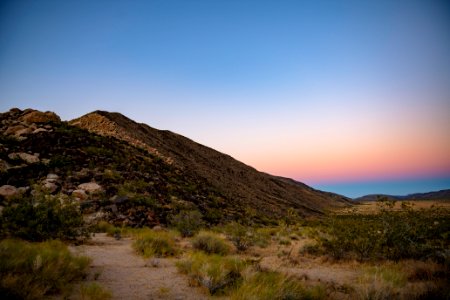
{"x":210,"y":243}
{"x":389,"y":234}
{"x":216,"y":273}
{"x":275,"y":286}
{"x":34,"y":270}
{"x":155,"y":243}
{"x":42,"y":217}
{"x":94,"y":291}
{"x":188,"y":222}
{"x":240,"y":235}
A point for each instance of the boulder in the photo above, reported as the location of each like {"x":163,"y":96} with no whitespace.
{"x":80,"y":194}
{"x":50,"y":187}
{"x":52,"y":177}
{"x":39,"y":130}
{"x":40,"y":117}
{"x":24,"y":131}
{"x":8,"y":191}
{"x":90,"y":187}
{"x":29,"y":158}
{"x":13,"y":130}
{"x":3,"y":166}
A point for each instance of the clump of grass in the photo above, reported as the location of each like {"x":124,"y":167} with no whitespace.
{"x":216,"y":273}
{"x":210,"y":243}
{"x":263,"y":236}
{"x":275,"y":286}
{"x":34,"y":270}
{"x":150,"y":243}
{"x":241,"y":236}
{"x":94,"y":291}
{"x":311,"y":249}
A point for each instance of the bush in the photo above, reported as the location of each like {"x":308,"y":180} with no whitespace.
{"x":155,"y":243}
{"x":240,"y":235}
{"x":216,"y":273}
{"x":42,"y":217}
{"x":275,"y":286}
{"x":94,"y":291}
{"x":188,"y":222}
{"x":210,"y":243}
{"x":34,"y":270}
{"x":389,"y":234}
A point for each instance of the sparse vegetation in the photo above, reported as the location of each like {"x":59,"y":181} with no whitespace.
{"x":216,"y":273}
{"x":187,"y":222}
{"x":94,"y":291}
{"x":210,"y":243}
{"x":42,"y":217}
{"x":151,"y":243}
{"x":241,"y":236}
{"x":34,"y":270}
{"x":275,"y":286}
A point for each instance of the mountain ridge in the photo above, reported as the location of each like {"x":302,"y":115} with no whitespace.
{"x":433,"y":195}
{"x":231,"y":177}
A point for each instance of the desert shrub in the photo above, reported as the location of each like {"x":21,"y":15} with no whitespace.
{"x":311,"y":248}
{"x":262,"y":237}
{"x":210,"y":243}
{"x":42,"y":217}
{"x":34,"y":270}
{"x":155,"y":243}
{"x":389,"y":234}
{"x":275,"y":286}
{"x":216,"y":273}
{"x":241,"y":236}
{"x":187,"y":222}
{"x":94,"y":291}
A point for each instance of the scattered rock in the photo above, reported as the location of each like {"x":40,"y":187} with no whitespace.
{"x":90,"y":187}
{"x":39,"y":130}
{"x":157,"y":228}
{"x":119,"y":199}
{"x":40,"y":117}
{"x":80,"y":194}
{"x":24,"y":131}
{"x":28,"y":158}
{"x":50,"y":187}
{"x":22,"y":190}
{"x":3,"y":166}
{"x":13,"y":130}
{"x":52,"y":177}
{"x":8,"y":191}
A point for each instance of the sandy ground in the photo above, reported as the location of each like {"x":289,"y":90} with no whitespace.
{"x":129,"y":276}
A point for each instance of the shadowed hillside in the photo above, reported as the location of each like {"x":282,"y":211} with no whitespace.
{"x":238,"y":182}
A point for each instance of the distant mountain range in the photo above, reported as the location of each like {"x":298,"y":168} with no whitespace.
{"x":438,"y":195}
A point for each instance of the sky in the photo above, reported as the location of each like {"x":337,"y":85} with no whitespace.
{"x":348,"y":96}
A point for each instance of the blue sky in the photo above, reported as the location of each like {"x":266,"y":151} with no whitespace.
{"x":331,"y":93}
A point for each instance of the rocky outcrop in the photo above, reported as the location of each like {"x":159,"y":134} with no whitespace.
{"x":35,"y":116}
{"x":28,"y":158}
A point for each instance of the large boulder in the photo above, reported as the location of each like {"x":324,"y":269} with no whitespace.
{"x":8,"y":191}
{"x":40,"y":117}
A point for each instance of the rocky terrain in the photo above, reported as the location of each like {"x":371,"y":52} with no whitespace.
{"x":131,"y":174}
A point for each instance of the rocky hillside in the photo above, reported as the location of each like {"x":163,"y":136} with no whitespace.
{"x":235,"y":181}
{"x":132,"y":174}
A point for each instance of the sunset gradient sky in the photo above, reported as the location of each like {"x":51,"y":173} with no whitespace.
{"x":347,"y":96}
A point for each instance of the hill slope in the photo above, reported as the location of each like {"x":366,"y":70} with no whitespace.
{"x":240,"y":184}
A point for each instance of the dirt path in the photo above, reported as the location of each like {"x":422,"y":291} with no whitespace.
{"x":128,"y":276}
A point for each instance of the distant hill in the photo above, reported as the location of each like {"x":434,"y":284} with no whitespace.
{"x":131,"y":174}
{"x":438,"y":195}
